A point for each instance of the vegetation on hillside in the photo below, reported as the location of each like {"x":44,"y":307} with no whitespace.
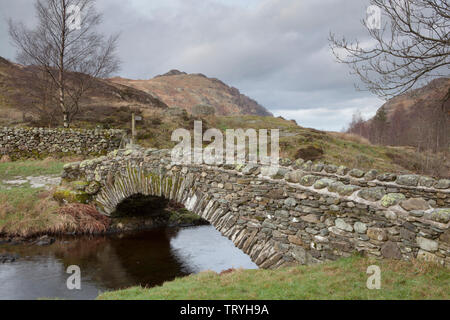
{"x":298,"y":142}
{"x":419,"y":118}
{"x":343,"y":279}
{"x":188,"y":91}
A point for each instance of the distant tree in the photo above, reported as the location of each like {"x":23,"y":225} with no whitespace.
{"x":398,"y":127}
{"x":357,"y":125}
{"x":380,"y":123}
{"x":69,"y":55}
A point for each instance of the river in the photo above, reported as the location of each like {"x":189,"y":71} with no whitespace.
{"x":112,"y":262}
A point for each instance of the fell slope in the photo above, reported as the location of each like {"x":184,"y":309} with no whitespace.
{"x":429,"y":96}
{"x":179,"y":89}
{"x":21,"y":95}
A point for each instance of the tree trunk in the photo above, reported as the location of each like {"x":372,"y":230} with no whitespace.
{"x":61,"y":69}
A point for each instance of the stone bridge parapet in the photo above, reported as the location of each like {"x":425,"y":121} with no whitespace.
{"x":300,"y":213}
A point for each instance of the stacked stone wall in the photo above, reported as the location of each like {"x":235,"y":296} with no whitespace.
{"x":22,"y":143}
{"x":295,"y":214}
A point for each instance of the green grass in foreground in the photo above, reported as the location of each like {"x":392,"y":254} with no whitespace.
{"x":25,"y":211}
{"x":29,"y":168}
{"x":343,"y":279}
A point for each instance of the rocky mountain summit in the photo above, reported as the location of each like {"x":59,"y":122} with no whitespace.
{"x":179,"y":89}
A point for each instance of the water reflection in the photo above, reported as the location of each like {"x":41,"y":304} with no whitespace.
{"x":118,"y":261}
{"x":203,"y":248}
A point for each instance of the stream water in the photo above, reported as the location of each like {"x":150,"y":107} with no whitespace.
{"x":146,"y":258}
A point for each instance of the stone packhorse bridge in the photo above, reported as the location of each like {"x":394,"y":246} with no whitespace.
{"x":300,"y":214}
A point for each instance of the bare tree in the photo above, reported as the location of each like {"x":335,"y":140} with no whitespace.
{"x":412,"y":45}
{"x":71,"y":55}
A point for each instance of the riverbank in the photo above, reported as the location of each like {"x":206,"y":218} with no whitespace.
{"x":342,"y":279}
{"x":26,"y":205}
{"x":29,"y":211}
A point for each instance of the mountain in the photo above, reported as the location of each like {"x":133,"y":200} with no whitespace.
{"x":179,"y":89}
{"x":109,"y":101}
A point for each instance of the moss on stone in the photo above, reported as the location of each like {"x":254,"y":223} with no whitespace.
{"x":184,"y":216}
{"x":79,"y":185}
{"x":391,"y":199}
{"x":70,"y":196}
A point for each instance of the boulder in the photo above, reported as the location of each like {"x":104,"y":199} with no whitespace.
{"x":331,"y":168}
{"x":342,"y":170}
{"x":250,"y":169}
{"x":318,"y":167}
{"x":333,"y":187}
{"x":427,"y":244}
{"x":429,"y":257}
{"x":308,"y":180}
{"x":285,"y":162}
{"x":298,"y":163}
{"x":377,"y":234}
{"x":341,"y":224}
{"x":323,"y":183}
{"x":414,"y":204}
{"x":372,"y":194}
{"x":442,"y":184}
{"x":370,"y":175}
{"x":408,"y":180}
{"x":356,"y":173}
{"x":390,"y":250}
{"x":360,"y":227}
{"x":441,"y":215}
{"x":387,"y":177}
{"x":391,"y":199}
{"x":347,"y":189}
{"x":294,"y":176}
{"x":426,"y":182}
{"x":274,"y":172}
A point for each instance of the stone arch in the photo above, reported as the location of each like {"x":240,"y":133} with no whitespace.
{"x":171,"y":186}
{"x":180,"y":186}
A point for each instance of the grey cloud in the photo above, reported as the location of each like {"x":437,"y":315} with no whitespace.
{"x":275,"y":51}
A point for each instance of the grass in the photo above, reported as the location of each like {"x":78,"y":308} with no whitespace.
{"x":338,"y":148}
{"x":27,"y":212}
{"x":29,"y":168}
{"x":342,"y":279}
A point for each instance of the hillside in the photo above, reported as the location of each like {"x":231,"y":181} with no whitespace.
{"x":419,"y":118}
{"x":298,"y":142}
{"x":429,"y":96}
{"x":109,"y":105}
{"x":22,"y":98}
{"x":179,"y":89}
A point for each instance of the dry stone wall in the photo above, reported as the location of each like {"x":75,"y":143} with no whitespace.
{"x":296,"y":214}
{"x":19,"y":143}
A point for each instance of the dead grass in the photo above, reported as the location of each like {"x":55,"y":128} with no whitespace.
{"x":27,"y":212}
{"x":350,"y":137}
{"x":87,"y":219}
{"x":30,"y":215}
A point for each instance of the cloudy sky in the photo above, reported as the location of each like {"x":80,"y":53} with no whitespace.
{"x":274,"y":51}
